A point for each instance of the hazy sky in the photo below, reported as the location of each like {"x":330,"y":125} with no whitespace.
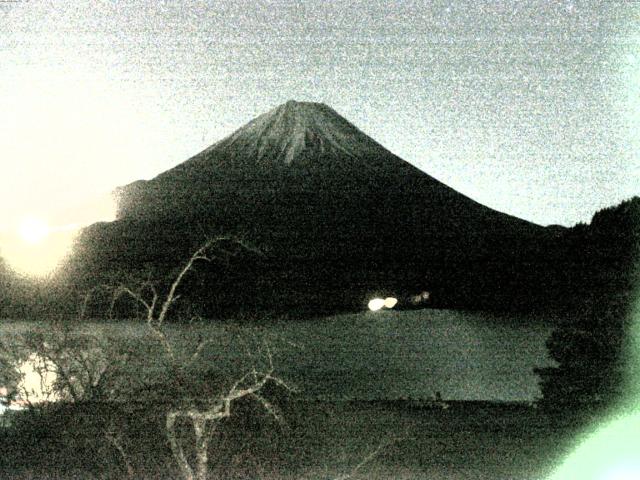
{"x":530,"y":107}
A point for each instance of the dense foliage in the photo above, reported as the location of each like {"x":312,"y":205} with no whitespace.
{"x":114,"y":393}
{"x":590,"y":347}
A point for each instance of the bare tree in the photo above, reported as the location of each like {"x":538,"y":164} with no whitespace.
{"x":205,"y":420}
{"x":155,"y":308}
{"x":203,"y":414}
{"x":87,"y":367}
{"x":59,"y":364}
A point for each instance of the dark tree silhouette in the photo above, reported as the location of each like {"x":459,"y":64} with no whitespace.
{"x":589,"y":347}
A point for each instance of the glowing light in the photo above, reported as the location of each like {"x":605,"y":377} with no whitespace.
{"x":38,"y":379}
{"x":610,"y":453}
{"x":624,"y":472}
{"x":33,"y":230}
{"x":91,"y":133}
{"x":36,"y":248}
{"x":376,"y":304}
{"x":38,"y":258}
{"x":390,"y":302}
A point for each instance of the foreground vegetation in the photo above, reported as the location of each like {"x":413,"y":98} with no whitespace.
{"x":117,"y":427}
{"x":320,"y":440}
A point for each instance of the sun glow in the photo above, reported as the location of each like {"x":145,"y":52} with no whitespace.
{"x":33,"y":230}
{"x":72,"y":139}
{"x":36,"y":251}
{"x":36,"y":247}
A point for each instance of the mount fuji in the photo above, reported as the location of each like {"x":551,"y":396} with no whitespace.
{"x":338,"y":216}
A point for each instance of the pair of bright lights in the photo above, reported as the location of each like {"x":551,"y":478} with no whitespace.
{"x":376,"y":304}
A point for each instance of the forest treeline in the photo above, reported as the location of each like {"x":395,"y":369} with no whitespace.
{"x":565,"y":270}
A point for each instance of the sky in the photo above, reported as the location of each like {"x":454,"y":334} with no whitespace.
{"x":529,"y":107}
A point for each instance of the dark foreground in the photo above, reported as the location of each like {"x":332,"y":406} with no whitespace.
{"x":320,"y":440}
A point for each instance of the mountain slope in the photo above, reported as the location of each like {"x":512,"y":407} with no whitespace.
{"x":339,"y":216}
{"x":296,"y":143}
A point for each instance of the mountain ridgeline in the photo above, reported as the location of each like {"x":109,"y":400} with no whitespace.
{"x":338,"y":219}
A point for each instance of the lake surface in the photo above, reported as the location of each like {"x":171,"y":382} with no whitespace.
{"x":388,"y":354}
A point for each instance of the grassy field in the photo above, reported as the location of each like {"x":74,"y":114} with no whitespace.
{"x":378,"y":362}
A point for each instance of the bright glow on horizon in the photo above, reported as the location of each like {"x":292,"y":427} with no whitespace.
{"x":37,"y":259}
{"x":35,"y":247}
{"x":69,"y":138}
{"x":376,"y":304}
{"x":390,"y":302}
{"x":33,"y":230}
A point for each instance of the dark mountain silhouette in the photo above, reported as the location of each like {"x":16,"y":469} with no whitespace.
{"x":339,"y":217}
{"x":304,"y":149}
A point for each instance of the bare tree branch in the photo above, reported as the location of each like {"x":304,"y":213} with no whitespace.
{"x":198,"y":351}
{"x":176,"y":448}
{"x":367,"y":459}
{"x":116,"y":441}
{"x":203,"y":253}
{"x":202,"y":418}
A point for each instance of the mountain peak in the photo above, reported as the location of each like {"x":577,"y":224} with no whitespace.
{"x":294,"y":107}
{"x":302,"y":115}
{"x":295,"y":103}
{"x":295,"y":132}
